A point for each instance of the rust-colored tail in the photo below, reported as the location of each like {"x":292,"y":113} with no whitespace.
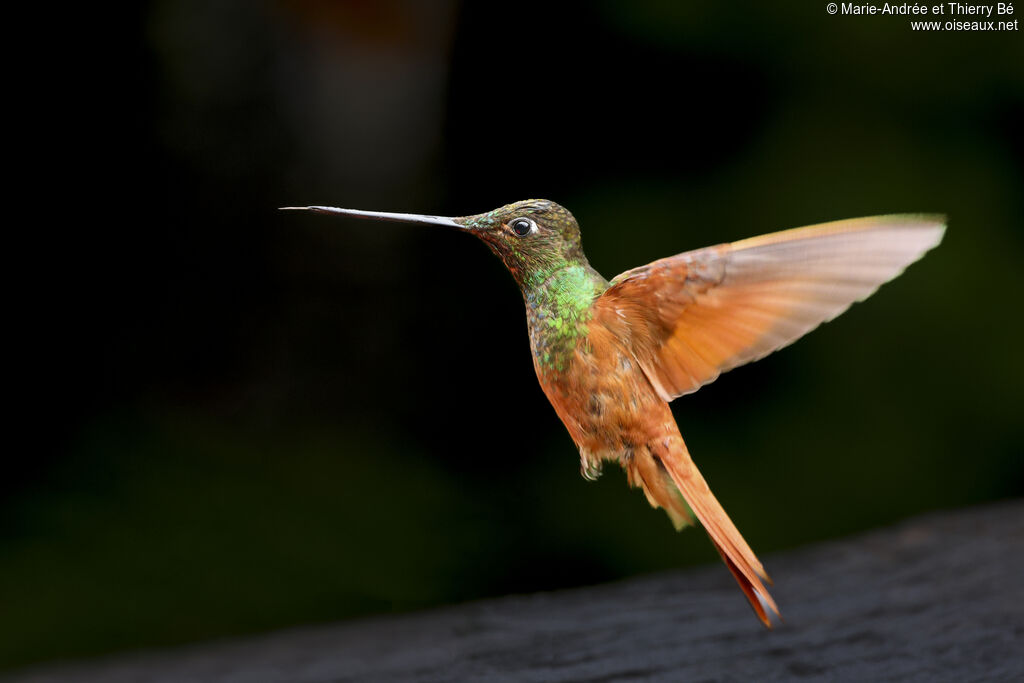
{"x":665,"y":470}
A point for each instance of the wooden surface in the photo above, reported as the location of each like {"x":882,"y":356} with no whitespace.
{"x":936,"y":598}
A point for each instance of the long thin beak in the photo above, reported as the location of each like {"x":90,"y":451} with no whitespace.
{"x":381,"y":215}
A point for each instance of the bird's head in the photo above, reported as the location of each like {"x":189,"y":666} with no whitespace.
{"x":534,"y":237}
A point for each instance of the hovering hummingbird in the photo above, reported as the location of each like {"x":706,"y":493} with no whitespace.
{"x":610,"y":356}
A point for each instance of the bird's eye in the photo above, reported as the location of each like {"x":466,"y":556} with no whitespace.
{"x":523,"y":226}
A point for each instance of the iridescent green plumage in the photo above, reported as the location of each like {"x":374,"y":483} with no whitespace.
{"x":558,"y":311}
{"x":557,"y":282}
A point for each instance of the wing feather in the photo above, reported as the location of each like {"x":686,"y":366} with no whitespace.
{"x":698,"y":314}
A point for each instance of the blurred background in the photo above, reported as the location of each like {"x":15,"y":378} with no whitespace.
{"x":241,"y":420}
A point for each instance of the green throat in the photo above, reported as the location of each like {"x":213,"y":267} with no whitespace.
{"x":558,"y":308}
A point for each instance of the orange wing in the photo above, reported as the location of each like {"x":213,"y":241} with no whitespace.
{"x":695,"y":315}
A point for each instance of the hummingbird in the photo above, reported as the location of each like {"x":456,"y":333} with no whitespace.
{"x":611,"y":355}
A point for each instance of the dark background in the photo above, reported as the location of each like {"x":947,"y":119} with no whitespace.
{"x":240,"y":419}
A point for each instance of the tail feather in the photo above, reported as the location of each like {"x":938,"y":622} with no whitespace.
{"x":756,"y":600}
{"x":671,"y":458}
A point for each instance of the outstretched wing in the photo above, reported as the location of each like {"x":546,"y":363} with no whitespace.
{"x":693,"y":316}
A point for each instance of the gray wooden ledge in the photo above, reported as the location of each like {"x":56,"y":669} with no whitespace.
{"x":938,"y":597}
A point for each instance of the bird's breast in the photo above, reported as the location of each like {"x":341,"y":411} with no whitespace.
{"x":600,"y":392}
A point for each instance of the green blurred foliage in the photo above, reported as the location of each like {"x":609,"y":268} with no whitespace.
{"x":259,"y":420}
